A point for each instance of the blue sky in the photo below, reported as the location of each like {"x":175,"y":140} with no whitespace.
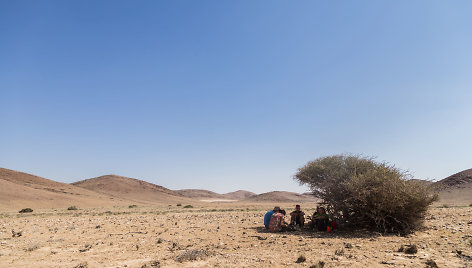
{"x":228,"y":95}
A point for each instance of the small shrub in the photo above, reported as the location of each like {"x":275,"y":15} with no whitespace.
{"x":188,"y":206}
{"x":364,"y":193}
{"x":25,"y":210}
{"x":445,"y":206}
{"x":192,"y":255}
{"x":132,"y":206}
{"x":179,"y":205}
{"x":72,"y":208}
{"x":470,"y":205}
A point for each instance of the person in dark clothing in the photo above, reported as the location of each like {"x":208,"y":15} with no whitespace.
{"x":297,"y":217}
{"x":320,"y":219}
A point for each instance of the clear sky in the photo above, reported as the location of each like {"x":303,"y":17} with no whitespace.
{"x":228,"y":95}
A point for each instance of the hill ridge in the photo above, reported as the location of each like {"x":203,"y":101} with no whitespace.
{"x":454,"y":180}
{"x":132,"y":189}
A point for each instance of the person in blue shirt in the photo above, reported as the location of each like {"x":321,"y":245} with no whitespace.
{"x":268,"y":215}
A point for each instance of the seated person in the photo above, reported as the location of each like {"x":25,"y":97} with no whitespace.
{"x":268,"y":215}
{"x":320,"y":219}
{"x":297,"y":217}
{"x":277,"y":223}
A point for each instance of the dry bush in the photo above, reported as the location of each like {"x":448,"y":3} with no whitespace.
{"x":365,"y":193}
{"x":25,"y":210}
{"x":192,"y":255}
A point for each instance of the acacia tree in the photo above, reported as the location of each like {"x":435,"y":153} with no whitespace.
{"x":365,"y":193}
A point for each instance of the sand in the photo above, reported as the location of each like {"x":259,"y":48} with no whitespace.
{"x":218,"y":235}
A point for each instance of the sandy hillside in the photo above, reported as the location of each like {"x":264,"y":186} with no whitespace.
{"x":19,"y":190}
{"x":456,"y":189}
{"x":200,"y":194}
{"x":131,"y":189}
{"x":281,"y":196}
{"x":455,"y":180}
{"x":239,"y":195}
{"x":217,"y":236}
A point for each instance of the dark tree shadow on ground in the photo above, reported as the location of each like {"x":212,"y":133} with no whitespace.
{"x":337,"y":233}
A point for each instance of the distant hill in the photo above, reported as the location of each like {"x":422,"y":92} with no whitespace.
{"x":239,"y":195}
{"x":19,"y":190}
{"x":455,"y":189}
{"x":423,"y":182}
{"x":455,"y":180}
{"x":130,"y":189}
{"x":281,"y":196}
{"x":200,"y":194}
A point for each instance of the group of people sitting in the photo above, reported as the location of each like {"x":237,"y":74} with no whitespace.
{"x":274,"y":220}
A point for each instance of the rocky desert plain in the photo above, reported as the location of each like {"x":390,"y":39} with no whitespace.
{"x":114,"y":221}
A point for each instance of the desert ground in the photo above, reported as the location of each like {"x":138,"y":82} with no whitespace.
{"x":219,"y":235}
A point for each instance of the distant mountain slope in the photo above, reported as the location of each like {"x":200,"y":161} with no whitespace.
{"x":19,"y":190}
{"x":130,"y":189}
{"x":281,"y":196}
{"x":455,"y":189}
{"x":422,"y":182}
{"x":455,"y":180}
{"x":239,"y":195}
{"x":200,"y":194}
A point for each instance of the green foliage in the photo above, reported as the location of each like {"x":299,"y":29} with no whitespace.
{"x":132,"y":206}
{"x":188,"y":206}
{"x":179,"y":205}
{"x":72,"y":208}
{"x":364,"y":193}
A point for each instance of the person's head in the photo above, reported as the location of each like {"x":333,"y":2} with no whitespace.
{"x":276,"y":209}
{"x":297,"y":207}
{"x":321,"y":210}
{"x":283,"y":212}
